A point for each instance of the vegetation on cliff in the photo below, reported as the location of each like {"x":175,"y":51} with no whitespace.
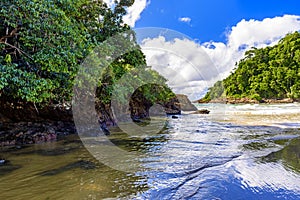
{"x":265,"y":73}
{"x":44,"y":42}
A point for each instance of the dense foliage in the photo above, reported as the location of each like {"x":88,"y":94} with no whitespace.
{"x":271,"y":72}
{"x":43,"y":43}
{"x":214,"y":92}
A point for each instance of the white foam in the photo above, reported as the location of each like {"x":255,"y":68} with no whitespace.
{"x":280,"y":115}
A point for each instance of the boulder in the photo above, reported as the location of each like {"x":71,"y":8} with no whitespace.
{"x":185,"y":104}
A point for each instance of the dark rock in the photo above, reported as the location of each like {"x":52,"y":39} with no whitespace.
{"x":4,"y":119}
{"x":202,"y":101}
{"x":136,"y":119}
{"x":272,"y":101}
{"x":178,"y":104}
{"x":170,"y":111}
{"x":19,"y":133}
{"x":202,"y":111}
{"x":103,"y":127}
{"x":185,"y":104}
{"x":174,"y":117}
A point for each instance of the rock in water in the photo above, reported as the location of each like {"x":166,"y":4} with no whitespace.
{"x":185,"y":103}
{"x":179,"y":103}
{"x":202,"y":111}
{"x":104,"y":127}
{"x":136,"y":119}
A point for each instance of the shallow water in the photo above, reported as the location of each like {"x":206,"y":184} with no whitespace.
{"x":216,"y":156}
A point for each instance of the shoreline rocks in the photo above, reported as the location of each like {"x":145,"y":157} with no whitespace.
{"x":249,"y":101}
{"x":20,"y":133}
{"x":185,"y":104}
{"x":202,"y":111}
{"x":22,"y":124}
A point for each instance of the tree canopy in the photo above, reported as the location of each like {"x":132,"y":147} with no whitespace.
{"x":44,"y":42}
{"x":270,"y":72}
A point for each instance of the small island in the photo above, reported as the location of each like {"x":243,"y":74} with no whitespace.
{"x":265,"y":75}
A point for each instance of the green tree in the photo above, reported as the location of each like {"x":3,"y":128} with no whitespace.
{"x":43,"y":43}
{"x":271,"y":72}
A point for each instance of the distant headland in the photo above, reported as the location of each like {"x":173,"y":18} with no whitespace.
{"x":265,"y":75}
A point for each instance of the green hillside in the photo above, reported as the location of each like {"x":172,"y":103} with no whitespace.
{"x":265,"y":73}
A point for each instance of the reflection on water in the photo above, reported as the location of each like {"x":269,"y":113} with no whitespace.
{"x":289,"y":155}
{"x":195,"y":157}
{"x":62,"y":170}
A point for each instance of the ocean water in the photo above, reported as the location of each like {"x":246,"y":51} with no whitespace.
{"x":235,"y":152}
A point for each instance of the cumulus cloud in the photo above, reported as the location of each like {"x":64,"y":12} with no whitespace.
{"x":247,"y":34}
{"x":110,"y":3}
{"x":185,"y":19}
{"x":203,"y":64}
{"x":133,"y":12}
{"x":183,"y":62}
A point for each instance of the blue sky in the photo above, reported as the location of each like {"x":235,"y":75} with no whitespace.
{"x":220,"y":32}
{"x":211,"y":18}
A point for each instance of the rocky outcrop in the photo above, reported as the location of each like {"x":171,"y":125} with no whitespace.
{"x":254,"y":101}
{"x":140,"y":106}
{"x":271,"y":101}
{"x":172,"y":107}
{"x":218,"y":100}
{"x":202,"y":111}
{"x":19,"y":133}
{"x":241,"y":100}
{"x":25,"y":123}
{"x":184,"y":103}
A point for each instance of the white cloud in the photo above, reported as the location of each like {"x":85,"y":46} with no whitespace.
{"x":247,"y":34}
{"x":133,"y":12}
{"x":261,"y":32}
{"x":185,"y":19}
{"x":110,"y":3}
{"x":187,"y":62}
{"x":182,"y":62}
